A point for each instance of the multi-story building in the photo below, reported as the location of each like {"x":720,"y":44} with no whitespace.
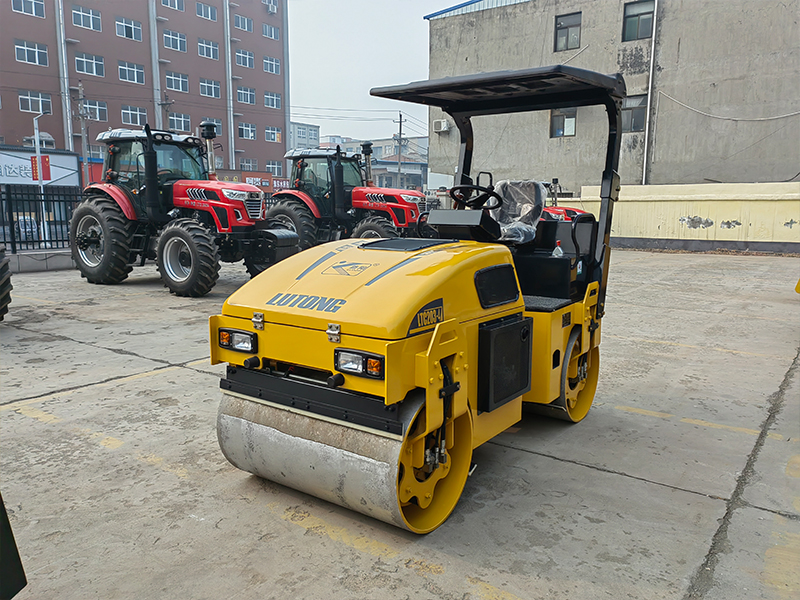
{"x":713,"y":88}
{"x":169,"y":63}
{"x":303,"y":135}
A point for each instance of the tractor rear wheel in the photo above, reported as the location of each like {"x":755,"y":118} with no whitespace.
{"x":5,"y":283}
{"x":188,"y":259}
{"x":100,"y":240}
{"x":375,"y":227}
{"x":296,"y":216}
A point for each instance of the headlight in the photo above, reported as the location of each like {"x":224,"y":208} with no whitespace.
{"x":411,"y":199}
{"x":234,"y":194}
{"x":359,"y":363}
{"x":242,"y":341}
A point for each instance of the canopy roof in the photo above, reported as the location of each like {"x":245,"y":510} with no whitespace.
{"x":511,"y":91}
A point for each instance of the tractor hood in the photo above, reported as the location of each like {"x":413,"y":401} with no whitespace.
{"x":386,"y":289}
{"x":217,"y":186}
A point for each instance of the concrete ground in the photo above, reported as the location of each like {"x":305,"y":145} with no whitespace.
{"x":683,"y":482}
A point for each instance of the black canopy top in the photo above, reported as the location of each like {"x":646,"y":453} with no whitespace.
{"x":511,"y":91}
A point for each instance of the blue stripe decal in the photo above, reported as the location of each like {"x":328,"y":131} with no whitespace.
{"x":394,"y":268}
{"x":315,"y":265}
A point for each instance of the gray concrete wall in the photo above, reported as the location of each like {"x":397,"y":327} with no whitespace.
{"x":732,"y":58}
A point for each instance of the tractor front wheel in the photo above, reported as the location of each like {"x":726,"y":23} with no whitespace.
{"x":295,"y":216}
{"x":375,"y":227}
{"x":187,"y":258}
{"x":100,"y":240}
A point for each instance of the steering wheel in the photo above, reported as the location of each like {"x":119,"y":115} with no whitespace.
{"x":461,"y":196}
{"x":165,"y":172}
{"x":312,"y":179}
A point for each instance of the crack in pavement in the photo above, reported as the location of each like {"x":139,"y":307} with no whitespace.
{"x":65,"y":390}
{"x":605,"y":470}
{"x":703,"y":579}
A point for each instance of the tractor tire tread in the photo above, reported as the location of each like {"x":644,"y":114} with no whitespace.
{"x":301,"y":216}
{"x":376,"y":223}
{"x":207,"y":273}
{"x":5,"y":283}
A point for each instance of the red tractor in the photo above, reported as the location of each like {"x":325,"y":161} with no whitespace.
{"x":332,"y":197}
{"x":160,"y":199}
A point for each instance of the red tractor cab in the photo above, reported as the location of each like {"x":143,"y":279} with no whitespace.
{"x":332,"y":197}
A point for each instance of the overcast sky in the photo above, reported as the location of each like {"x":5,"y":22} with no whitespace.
{"x":339,"y":49}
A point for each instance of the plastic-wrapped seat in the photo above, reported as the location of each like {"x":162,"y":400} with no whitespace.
{"x":523,"y":204}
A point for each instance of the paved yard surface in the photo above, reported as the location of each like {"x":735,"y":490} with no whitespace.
{"x":683,"y":482}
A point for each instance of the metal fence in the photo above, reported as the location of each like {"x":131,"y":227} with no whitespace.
{"x":32,"y":221}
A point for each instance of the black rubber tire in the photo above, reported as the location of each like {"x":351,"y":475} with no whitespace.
{"x":188,"y":258}
{"x":375,"y":227}
{"x":255,"y":266}
{"x":107,"y":262}
{"x":296,"y":216}
{"x":5,"y":283}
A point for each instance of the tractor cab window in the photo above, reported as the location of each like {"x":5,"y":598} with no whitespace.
{"x":313,"y":176}
{"x":129,"y":164}
{"x":352,"y":173}
{"x":179,"y":162}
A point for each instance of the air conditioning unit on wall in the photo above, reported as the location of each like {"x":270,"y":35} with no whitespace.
{"x":440,"y":126}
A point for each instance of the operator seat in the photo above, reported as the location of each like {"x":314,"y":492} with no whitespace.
{"x":523,"y":205}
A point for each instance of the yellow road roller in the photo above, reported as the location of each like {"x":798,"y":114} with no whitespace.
{"x":365,"y":371}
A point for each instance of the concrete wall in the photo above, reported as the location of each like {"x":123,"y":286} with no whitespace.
{"x":745,"y":216}
{"x":731,"y":58}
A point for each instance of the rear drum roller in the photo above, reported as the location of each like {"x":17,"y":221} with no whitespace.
{"x":358,"y":469}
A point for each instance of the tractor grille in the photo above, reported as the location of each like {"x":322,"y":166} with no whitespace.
{"x":254,"y":207}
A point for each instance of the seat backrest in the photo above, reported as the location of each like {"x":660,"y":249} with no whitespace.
{"x":523,"y":203}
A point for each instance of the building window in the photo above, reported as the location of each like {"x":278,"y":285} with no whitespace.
{"x":272,"y":65}
{"x":35,"y":102}
{"x":180,"y":122}
{"x":243,"y":23}
{"x":31,"y":53}
{"x":247,"y":131}
{"x":301,"y":131}
{"x":45,"y":141}
{"x":634,"y":113}
{"x":313,"y":133}
{"x":174,"y":4}
{"x":96,"y":152}
{"x":128,"y":28}
{"x":638,"y":23}
{"x":178,"y":82}
{"x":246,"y":95}
{"x":272,"y":100}
{"x":275,"y":167}
{"x":90,"y":64}
{"x":87,"y":18}
{"x":248,"y":164}
{"x":562,"y":122}
{"x":206,"y":12}
{"x":208,"y":49}
{"x":270,"y":32}
{"x":245,"y":59}
{"x":568,"y":32}
{"x":217,"y":123}
{"x":174,"y":40}
{"x":131,"y":72}
{"x":272,"y":5}
{"x":34,"y":8}
{"x":209,"y":88}
{"x":133,"y":115}
{"x":96,"y":110}
{"x":272,"y":134}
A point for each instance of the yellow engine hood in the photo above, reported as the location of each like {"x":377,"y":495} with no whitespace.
{"x":371,"y":292}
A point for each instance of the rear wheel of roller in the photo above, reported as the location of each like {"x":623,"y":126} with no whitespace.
{"x":426,"y":499}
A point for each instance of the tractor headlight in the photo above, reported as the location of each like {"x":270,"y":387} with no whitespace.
{"x":359,"y":363}
{"x":411,"y":199}
{"x":235,"y":195}
{"x":241,"y":341}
